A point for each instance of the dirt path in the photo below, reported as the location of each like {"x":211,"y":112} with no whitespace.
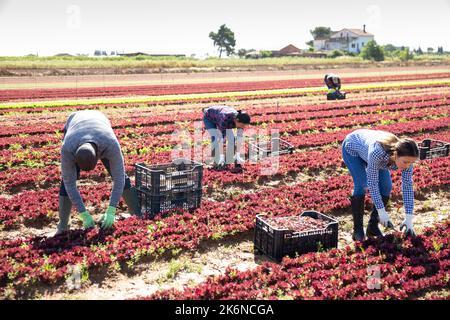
{"x":214,"y":257}
{"x":97,"y":80}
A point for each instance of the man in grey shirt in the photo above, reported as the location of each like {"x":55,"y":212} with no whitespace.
{"x":88,"y":136}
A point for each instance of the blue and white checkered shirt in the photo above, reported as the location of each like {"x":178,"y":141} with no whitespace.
{"x":363,"y":143}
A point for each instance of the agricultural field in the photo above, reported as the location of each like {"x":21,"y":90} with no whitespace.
{"x":143,"y":65}
{"x":208,"y":253}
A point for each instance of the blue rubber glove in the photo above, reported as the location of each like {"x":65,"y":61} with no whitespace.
{"x":88,"y":221}
{"x":108,"y":218}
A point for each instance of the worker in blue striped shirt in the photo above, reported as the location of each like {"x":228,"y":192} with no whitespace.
{"x":369,"y":154}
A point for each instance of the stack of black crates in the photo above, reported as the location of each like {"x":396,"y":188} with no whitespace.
{"x":169,"y":186}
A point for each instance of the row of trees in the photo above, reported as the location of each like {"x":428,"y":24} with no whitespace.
{"x":373,"y":51}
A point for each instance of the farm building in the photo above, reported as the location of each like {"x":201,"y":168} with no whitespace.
{"x":293,"y":51}
{"x":350,"y":40}
{"x":288,"y":51}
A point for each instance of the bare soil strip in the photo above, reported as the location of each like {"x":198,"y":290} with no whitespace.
{"x":31,"y":82}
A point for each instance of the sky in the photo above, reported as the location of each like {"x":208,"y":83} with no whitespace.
{"x":48,"y":27}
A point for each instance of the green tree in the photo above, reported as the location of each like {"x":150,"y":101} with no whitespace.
{"x":372,"y":51}
{"x":320,"y":32}
{"x":243,"y":52}
{"x":224,"y":40}
{"x":419,"y":51}
{"x":335,"y":54}
{"x":266,"y":54}
{"x":389,"y":48}
{"x":404,"y":55}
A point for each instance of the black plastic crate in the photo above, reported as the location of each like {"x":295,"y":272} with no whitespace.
{"x":264,"y":149}
{"x":278,"y":243}
{"x":168,"y":186}
{"x":429,"y":149}
{"x":152,"y":205}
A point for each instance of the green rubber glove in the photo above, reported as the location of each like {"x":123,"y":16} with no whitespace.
{"x":108,"y":218}
{"x":88,"y":221}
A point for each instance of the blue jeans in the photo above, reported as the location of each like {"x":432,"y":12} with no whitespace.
{"x":62,"y":188}
{"x":357,"y":167}
{"x":211,"y":127}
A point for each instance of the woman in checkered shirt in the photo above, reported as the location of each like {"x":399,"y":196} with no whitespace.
{"x":369,"y":154}
{"x":219,"y":122}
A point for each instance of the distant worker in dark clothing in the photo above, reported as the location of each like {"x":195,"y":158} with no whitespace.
{"x":333,"y":83}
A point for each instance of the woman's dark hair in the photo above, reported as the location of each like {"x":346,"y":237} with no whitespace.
{"x":399,"y":147}
{"x":407,"y":148}
{"x":243,"y":117}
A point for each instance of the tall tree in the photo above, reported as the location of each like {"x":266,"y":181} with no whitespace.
{"x":224,"y":40}
{"x":321,"y":32}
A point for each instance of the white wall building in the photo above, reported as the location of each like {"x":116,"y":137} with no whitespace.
{"x":351,"y":40}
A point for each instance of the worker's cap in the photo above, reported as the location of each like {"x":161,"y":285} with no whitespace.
{"x":86,"y":157}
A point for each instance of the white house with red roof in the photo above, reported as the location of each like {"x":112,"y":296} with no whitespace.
{"x":350,"y":40}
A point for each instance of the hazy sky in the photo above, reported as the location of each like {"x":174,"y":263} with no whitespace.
{"x":48,"y":27}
